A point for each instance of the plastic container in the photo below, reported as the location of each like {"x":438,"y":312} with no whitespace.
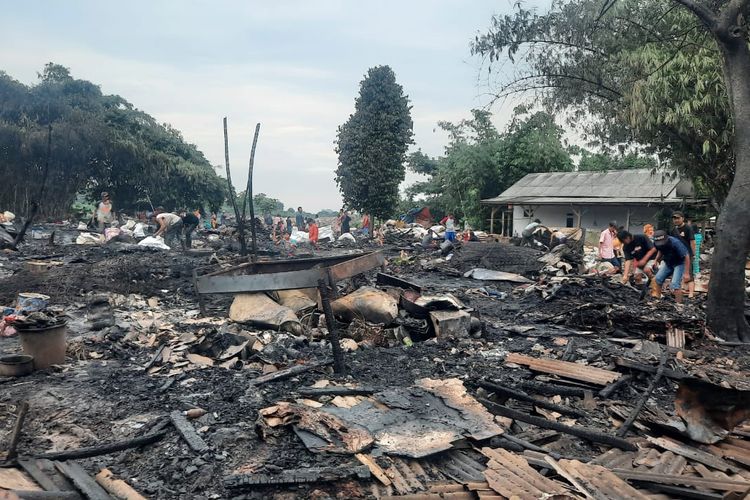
{"x":16,"y":365}
{"x":31,"y":302}
{"x":46,"y":345}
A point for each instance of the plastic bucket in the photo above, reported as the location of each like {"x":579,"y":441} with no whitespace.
{"x":46,"y":345}
{"x":31,"y":302}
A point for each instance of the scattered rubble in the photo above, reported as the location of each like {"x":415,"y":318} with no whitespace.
{"x":492,"y":371}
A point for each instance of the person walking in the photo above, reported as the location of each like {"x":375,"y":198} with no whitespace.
{"x":300,"y":219}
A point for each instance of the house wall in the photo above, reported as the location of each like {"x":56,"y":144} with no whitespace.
{"x":593,"y":217}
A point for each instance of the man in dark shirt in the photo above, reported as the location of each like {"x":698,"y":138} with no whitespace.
{"x":684,"y":232}
{"x":300,"y":219}
{"x":676,"y":258}
{"x":638,"y":250}
{"x":189,"y":223}
{"x":345,"y":220}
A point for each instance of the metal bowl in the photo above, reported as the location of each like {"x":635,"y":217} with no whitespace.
{"x":16,"y":365}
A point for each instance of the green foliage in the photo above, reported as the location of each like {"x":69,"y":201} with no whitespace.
{"x":600,"y":162}
{"x":372,"y":145}
{"x":637,"y":71}
{"x":99,"y":143}
{"x":480,"y":163}
{"x":262,"y":203}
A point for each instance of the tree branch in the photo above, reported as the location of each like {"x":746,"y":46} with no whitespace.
{"x":701,"y":11}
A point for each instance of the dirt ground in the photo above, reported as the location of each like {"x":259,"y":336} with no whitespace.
{"x":103,"y":394}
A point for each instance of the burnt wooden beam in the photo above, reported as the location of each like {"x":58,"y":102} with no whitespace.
{"x":390,"y":280}
{"x":553,"y":389}
{"x":297,"y":476}
{"x":288,"y":372}
{"x":581,"y":432}
{"x":104,"y":449}
{"x":187,"y":431}
{"x":15,"y":434}
{"x":82,"y":481}
{"x":522,"y":396}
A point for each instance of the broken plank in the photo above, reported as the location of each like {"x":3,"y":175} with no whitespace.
{"x":634,"y":365}
{"x":15,"y":434}
{"x":375,"y":469}
{"x":565,"y":369}
{"x":82,"y":481}
{"x":187,"y":432}
{"x":581,"y":432}
{"x":154,"y":358}
{"x":693,"y":454}
{"x":38,"y":475}
{"x":288,"y":372}
{"x":46,"y":495}
{"x":599,"y":481}
{"x":296,"y":476}
{"x":104,"y":449}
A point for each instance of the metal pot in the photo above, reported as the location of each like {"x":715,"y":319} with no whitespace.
{"x":16,"y":365}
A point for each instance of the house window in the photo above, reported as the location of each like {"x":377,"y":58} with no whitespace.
{"x":528,"y":212}
{"x":568,"y":220}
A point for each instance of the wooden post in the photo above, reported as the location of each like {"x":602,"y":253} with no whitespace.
{"x":492,"y":219}
{"x":578,"y":218}
{"x":249,"y":193}
{"x":338,"y":354}
{"x":233,"y":195}
{"x":627,"y":220}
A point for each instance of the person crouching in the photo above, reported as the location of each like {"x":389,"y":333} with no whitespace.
{"x":676,"y":258}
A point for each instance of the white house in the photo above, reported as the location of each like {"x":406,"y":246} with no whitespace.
{"x":588,"y":199}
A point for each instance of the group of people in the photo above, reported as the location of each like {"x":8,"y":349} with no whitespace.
{"x":659,"y":255}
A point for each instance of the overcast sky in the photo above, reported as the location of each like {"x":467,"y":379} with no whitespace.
{"x":293,"y":66}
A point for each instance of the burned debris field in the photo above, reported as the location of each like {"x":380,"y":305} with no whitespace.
{"x":535,"y":382}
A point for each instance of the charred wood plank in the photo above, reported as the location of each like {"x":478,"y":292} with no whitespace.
{"x":581,"y":432}
{"x":289,"y":372}
{"x":187,"y":431}
{"x":15,"y":434}
{"x":38,"y":475}
{"x":296,"y":476}
{"x":522,"y":396}
{"x":155,"y":358}
{"x":82,"y":481}
{"x":337,"y":391}
{"x":552,"y":389}
{"x":634,"y":365}
{"x":694,"y":454}
{"x":46,"y":495}
{"x":104,"y":449}
{"x":565,"y":369}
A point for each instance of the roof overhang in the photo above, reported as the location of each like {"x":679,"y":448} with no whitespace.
{"x":552,"y":200}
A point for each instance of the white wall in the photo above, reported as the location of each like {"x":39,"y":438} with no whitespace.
{"x":592,"y":216}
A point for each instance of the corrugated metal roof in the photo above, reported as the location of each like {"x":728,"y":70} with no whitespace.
{"x":628,"y":186}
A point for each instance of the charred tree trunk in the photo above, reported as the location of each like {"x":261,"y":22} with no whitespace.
{"x":249,"y":193}
{"x":726,"y":293}
{"x":233,"y":196}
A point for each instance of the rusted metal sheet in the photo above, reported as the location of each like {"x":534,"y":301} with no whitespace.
{"x":286,"y":275}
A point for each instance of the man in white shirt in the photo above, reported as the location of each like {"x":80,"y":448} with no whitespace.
{"x":170,"y":226}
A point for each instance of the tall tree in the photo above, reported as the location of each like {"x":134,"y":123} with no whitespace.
{"x":670,"y":74}
{"x":372,"y":145}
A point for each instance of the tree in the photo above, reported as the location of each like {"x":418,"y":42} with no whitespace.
{"x":601,"y":161}
{"x":479,"y":162}
{"x":672,"y":75}
{"x":99,"y":143}
{"x":372,"y":145}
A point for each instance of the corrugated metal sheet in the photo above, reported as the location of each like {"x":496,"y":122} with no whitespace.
{"x":627,"y":186}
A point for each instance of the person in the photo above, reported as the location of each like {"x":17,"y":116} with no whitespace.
{"x":366,"y":224}
{"x":268,"y":220}
{"x":313,"y":232}
{"x":337,"y":223}
{"x":345,"y":220}
{"x":638,"y":250}
{"x":676,"y":258}
{"x":289,"y":225}
{"x":557,"y":238}
{"x":300,"y":219}
{"x":428,"y":238}
{"x":190,"y":222}
{"x":685,"y":233}
{"x":170,"y":226}
{"x":450,"y":227}
{"x":103,"y":212}
{"x":607,"y":249}
{"x":214,"y":221}
{"x":528,"y":232}
{"x":648,"y":230}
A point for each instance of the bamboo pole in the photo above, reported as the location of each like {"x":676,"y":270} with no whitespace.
{"x":233,"y":195}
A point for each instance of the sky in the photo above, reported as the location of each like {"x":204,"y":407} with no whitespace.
{"x":292,"y":65}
